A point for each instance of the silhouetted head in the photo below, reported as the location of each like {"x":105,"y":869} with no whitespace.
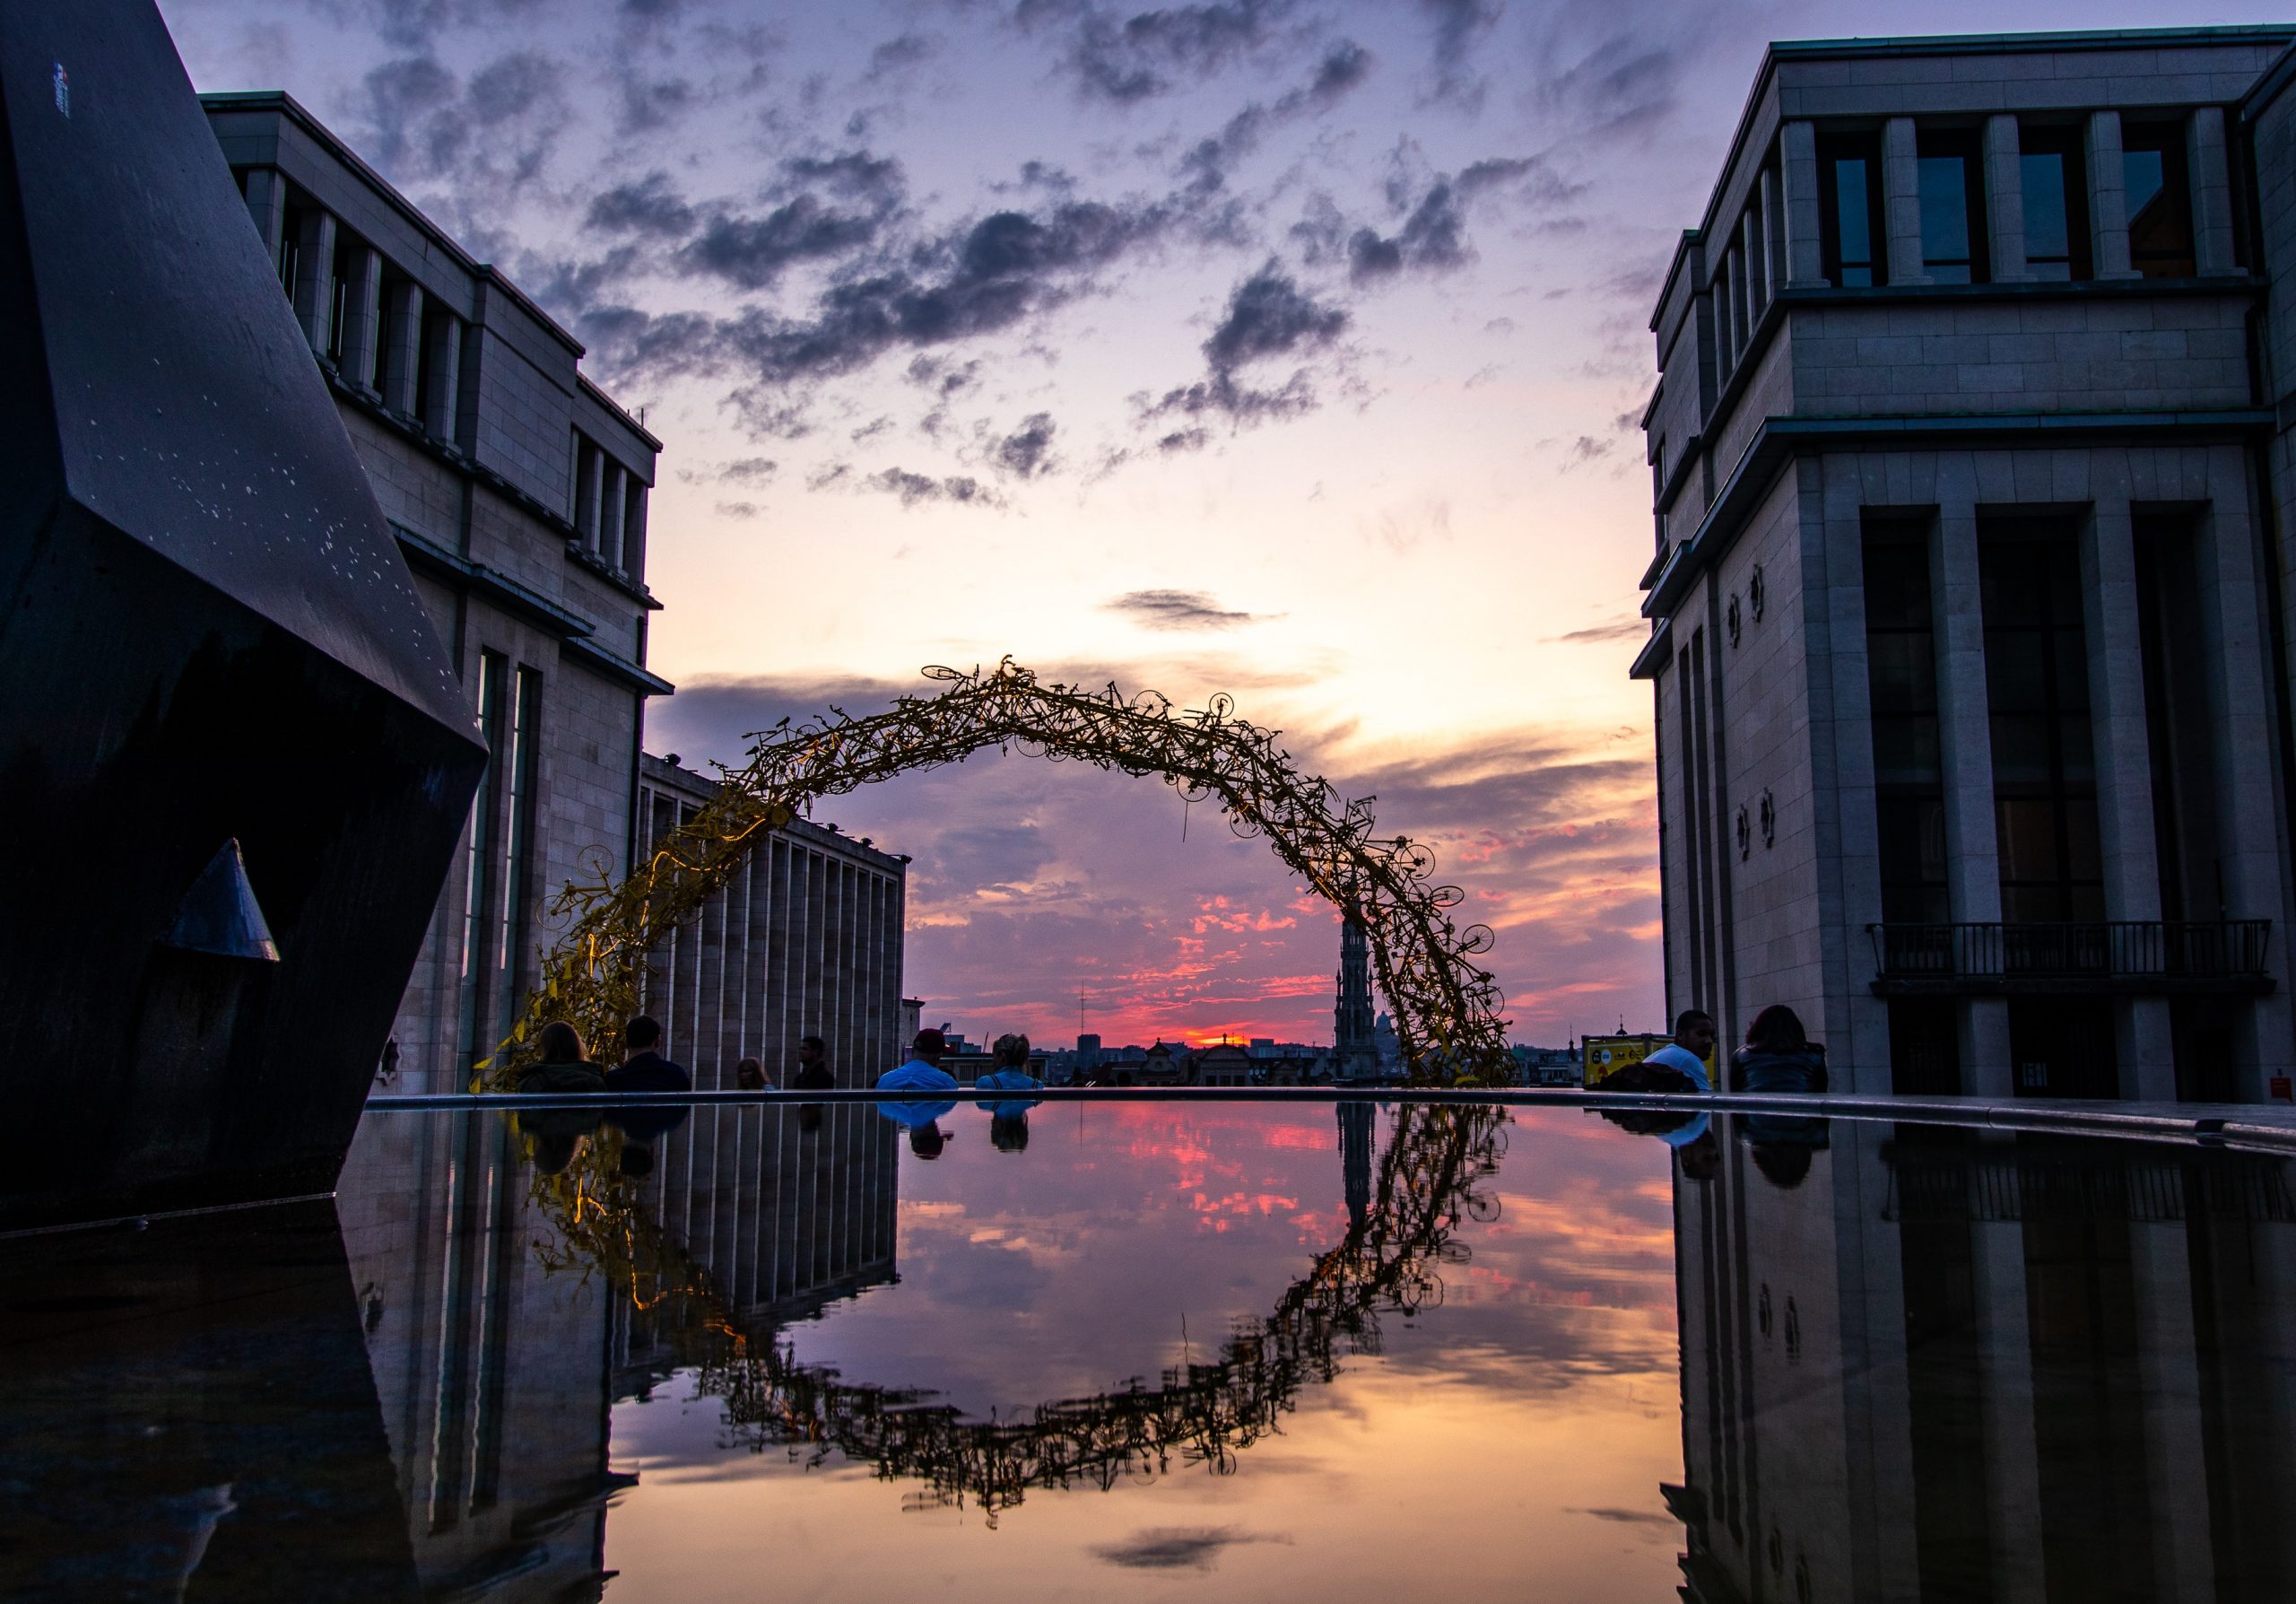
{"x":749,"y":1075}
{"x":641,"y":1035}
{"x":1013,"y":1051}
{"x":1701,"y":1159}
{"x":637,"y":1161}
{"x":926,"y":1140}
{"x":554,"y":1150}
{"x":811,"y":1050}
{"x":1777,"y":1029}
{"x":929,"y":1045}
{"x":559,"y":1042}
{"x":1786,"y":1164}
{"x":1694,"y":1032}
{"x":1009,"y":1133}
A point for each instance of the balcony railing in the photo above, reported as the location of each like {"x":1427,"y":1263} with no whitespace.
{"x":2156,"y":956}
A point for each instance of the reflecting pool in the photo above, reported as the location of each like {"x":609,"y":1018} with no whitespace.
{"x":1284,"y":1350}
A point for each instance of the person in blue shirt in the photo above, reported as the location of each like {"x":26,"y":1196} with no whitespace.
{"x":921,"y":1071}
{"x":1687,"y":1053}
{"x":1778,"y":1056}
{"x":1011,"y":1071}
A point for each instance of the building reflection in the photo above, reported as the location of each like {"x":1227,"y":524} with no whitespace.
{"x":498,"y":1353}
{"x":1951,"y":1364}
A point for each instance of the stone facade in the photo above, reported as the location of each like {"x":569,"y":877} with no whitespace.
{"x":1998,"y":318}
{"x":805,"y":941}
{"x":519,"y":493}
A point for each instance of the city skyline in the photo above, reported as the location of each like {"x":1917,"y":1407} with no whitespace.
{"x":1286,"y":350}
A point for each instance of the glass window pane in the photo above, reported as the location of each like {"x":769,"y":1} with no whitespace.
{"x":2048,"y":237}
{"x":1855,"y":213}
{"x":2145,"y":177}
{"x":1945,"y":219}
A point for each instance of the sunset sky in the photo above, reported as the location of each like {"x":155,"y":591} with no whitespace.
{"x":1287,"y":349}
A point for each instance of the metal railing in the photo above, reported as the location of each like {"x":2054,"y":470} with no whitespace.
{"x":2132,"y":954}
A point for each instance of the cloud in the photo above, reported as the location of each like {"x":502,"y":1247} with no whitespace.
{"x":1457,"y":25}
{"x":1175,"y":1547}
{"x":897,"y":56}
{"x":650,"y":206}
{"x":1268,"y":315}
{"x":1027,"y":451}
{"x":1122,"y":62}
{"x":914,"y":488}
{"x":1618,"y":629}
{"x":1178,"y":610}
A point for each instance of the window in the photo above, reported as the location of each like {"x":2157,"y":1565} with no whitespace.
{"x":2160,"y":204}
{"x":1902,"y":680}
{"x":493,"y":671}
{"x":2036,"y":690}
{"x":1849,"y":208}
{"x":1952,"y":208}
{"x":2056,"y":181}
{"x":339,"y":288}
{"x":291,"y":253}
{"x":526,"y":731}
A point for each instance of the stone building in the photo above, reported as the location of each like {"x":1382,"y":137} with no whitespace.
{"x":518,"y":491}
{"x":1933,"y":1365}
{"x":806,"y":941}
{"x":1968,"y":641}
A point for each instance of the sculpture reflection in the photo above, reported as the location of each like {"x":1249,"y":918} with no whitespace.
{"x":1951,"y":1364}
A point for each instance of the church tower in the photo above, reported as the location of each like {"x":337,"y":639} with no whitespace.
{"x":1359,"y":1058}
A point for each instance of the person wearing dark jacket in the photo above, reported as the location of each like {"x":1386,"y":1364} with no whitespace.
{"x":1777,"y":1056}
{"x":643,"y":1068}
{"x":812,"y":1072}
{"x":564,"y":1066}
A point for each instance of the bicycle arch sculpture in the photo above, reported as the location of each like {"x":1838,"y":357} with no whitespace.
{"x":1446,"y":1006}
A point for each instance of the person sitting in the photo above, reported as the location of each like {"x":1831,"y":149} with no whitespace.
{"x":1011,"y":1071}
{"x":1687,"y":1053}
{"x":921,"y":1071}
{"x":813,"y":1067}
{"x":564,"y":1066}
{"x":1778,"y":1057}
{"x":643,"y":1068}
{"x":749,"y":1076}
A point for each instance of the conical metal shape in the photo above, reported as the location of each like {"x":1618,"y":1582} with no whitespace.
{"x":220,"y":914}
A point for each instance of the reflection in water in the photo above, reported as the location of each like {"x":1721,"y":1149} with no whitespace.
{"x":1912,"y":1365}
{"x":1948,"y":1364}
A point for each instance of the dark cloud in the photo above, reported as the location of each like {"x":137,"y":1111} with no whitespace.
{"x":1626,"y":84}
{"x":1434,"y":235}
{"x":650,"y":105}
{"x":1269,"y":315}
{"x":749,"y":470}
{"x":1457,"y":25}
{"x":1620,"y":629}
{"x":1636,"y":1517}
{"x":914,"y":488}
{"x":1183,"y":439}
{"x":752,"y":252}
{"x":1346,"y":66}
{"x":651,"y":205}
{"x":737,"y":510}
{"x":1174,"y":1547}
{"x":897,"y":56}
{"x":1027,"y":451}
{"x":1129,"y":60}
{"x":1178,"y":610}
{"x":487,"y":137}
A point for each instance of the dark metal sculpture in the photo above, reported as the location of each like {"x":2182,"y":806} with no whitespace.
{"x":206,"y":635}
{"x":1446,"y":1006}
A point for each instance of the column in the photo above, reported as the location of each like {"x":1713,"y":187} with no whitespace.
{"x":266,"y":193}
{"x":445,"y":338}
{"x":2124,"y":759}
{"x":1799,"y":177}
{"x":315,"y":277}
{"x":1750,"y":247}
{"x":1901,"y":200}
{"x":610,"y":505}
{"x":589,"y":480}
{"x":2004,"y":1341}
{"x":633,"y":532}
{"x":2108,"y":197}
{"x":2210,"y":176}
{"x":361,"y":316}
{"x":2168,"y":1359}
{"x":1965,"y":743}
{"x":2004,"y":201}
{"x":402,"y":359}
{"x":2232,"y":614}
{"x":1772,"y":211}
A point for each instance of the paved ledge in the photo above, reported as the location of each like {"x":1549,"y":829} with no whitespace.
{"x":2263,"y":1127}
